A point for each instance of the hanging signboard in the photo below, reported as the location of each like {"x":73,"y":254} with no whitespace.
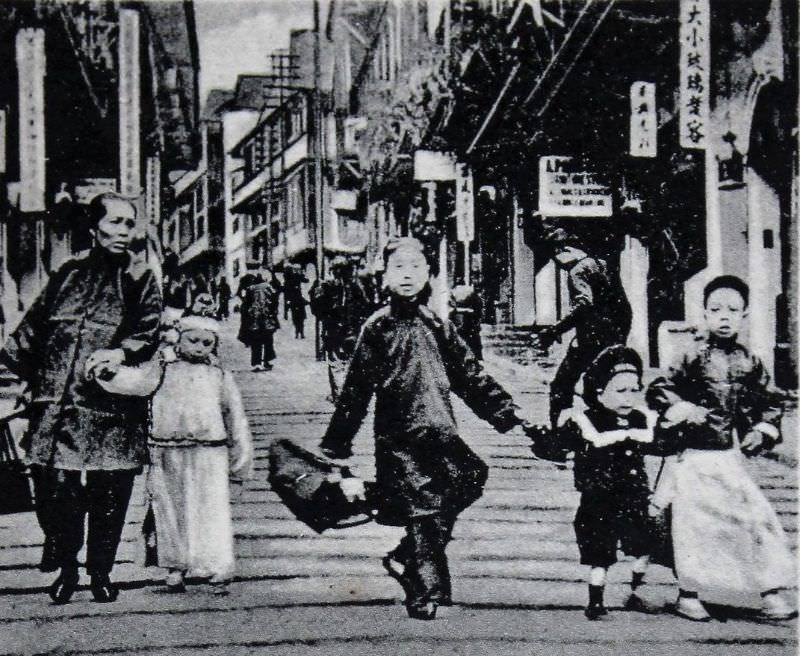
{"x":434,"y":166}
{"x":31,"y":67}
{"x":3,"y":131}
{"x":564,"y":190}
{"x":694,"y":36}
{"x":465,"y":204}
{"x":644,"y":123}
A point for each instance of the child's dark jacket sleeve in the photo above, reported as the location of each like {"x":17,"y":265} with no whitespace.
{"x":353,"y":402}
{"x":482,"y":393}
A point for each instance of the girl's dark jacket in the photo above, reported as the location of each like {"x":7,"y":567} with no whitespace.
{"x":95,"y":302}
{"x":411,"y":360}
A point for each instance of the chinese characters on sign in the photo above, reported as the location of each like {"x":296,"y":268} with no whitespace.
{"x":694,"y":73}
{"x":465,"y":227}
{"x":31,"y":62}
{"x":644,"y":125}
{"x":564,"y":191}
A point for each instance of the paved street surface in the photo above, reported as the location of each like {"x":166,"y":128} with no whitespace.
{"x":518,"y":586}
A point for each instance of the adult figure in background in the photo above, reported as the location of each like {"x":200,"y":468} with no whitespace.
{"x":293,"y":279}
{"x":599,"y":313}
{"x":466,"y":313}
{"x":259,"y":323}
{"x":224,"y":299}
{"x":342,"y":305}
{"x":95,"y":314}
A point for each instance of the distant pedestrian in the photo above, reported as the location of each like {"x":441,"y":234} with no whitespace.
{"x":600,"y":314}
{"x":259,"y":321}
{"x":467,"y":310}
{"x":426,"y":475}
{"x":199,"y":438}
{"x":715,"y":405}
{"x":298,"y":310}
{"x":342,"y":305}
{"x":224,"y":298}
{"x":610,"y":439}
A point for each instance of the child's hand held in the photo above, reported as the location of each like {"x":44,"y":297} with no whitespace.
{"x":752,"y":442}
{"x":353,"y":489}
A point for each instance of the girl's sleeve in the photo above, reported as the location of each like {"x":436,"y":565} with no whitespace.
{"x":666,"y":391}
{"x":351,"y":408}
{"x":482,"y":393}
{"x":240,"y":440}
{"x":767,"y":405}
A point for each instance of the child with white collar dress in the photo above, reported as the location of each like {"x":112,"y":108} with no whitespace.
{"x":715,"y":407}
{"x":610,"y":438}
{"x":199,"y":438}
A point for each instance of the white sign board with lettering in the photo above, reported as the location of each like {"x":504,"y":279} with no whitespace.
{"x":566,"y":191}
{"x":695,"y":58}
{"x":644,"y":123}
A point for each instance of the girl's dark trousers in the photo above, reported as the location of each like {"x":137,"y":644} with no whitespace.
{"x":422,"y":551}
{"x":63,"y":502}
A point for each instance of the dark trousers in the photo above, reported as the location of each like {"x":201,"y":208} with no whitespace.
{"x":262,"y":350}
{"x":605,"y":519}
{"x":62,"y":503}
{"x":224,"y":309}
{"x":422,"y":551}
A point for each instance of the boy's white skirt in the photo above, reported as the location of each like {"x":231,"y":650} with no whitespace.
{"x":190,"y":496}
{"x":728,"y":541}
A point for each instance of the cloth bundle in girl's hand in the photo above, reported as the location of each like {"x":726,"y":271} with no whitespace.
{"x":311,"y":486}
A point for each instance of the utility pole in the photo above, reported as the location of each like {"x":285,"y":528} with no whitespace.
{"x":317,"y":149}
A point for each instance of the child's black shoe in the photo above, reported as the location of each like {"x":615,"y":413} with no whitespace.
{"x":595,"y":611}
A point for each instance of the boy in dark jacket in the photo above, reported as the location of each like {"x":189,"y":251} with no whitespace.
{"x":610,"y":439}
{"x":425,"y":474}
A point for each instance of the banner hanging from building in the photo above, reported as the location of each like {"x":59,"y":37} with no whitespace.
{"x":695,"y":56}
{"x":644,"y":122}
{"x":465,"y":204}
{"x":434,"y":166}
{"x":31,"y":72}
{"x":566,"y":190}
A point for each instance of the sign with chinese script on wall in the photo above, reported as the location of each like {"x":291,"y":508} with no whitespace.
{"x":644,"y":124}
{"x":31,"y":72}
{"x":465,"y":204}
{"x":694,"y":36}
{"x":564,"y":190}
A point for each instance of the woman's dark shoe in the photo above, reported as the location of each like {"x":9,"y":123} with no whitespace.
{"x":64,"y":586}
{"x":426,"y":612}
{"x":103,"y":590}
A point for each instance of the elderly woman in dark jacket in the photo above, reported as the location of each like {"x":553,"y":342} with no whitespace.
{"x":95,"y":314}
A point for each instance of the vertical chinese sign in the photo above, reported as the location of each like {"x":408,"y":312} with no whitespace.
{"x":694,"y":35}
{"x":644,"y":124}
{"x":31,"y":72}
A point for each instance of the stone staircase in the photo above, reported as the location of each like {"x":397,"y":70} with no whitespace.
{"x":517,"y":343}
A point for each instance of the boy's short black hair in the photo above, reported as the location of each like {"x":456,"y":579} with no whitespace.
{"x":611,"y":361}
{"x":727,"y":282}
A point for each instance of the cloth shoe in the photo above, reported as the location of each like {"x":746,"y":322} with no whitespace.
{"x":103,"y":590}
{"x":595,"y":611}
{"x":64,"y":586}
{"x":175,"y":582}
{"x":426,"y":612}
{"x":692,"y":609}
{"x":775,"y":607}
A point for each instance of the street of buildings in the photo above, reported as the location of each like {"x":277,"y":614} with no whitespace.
{"x":662,"y":134}
{"x":518,"y":587}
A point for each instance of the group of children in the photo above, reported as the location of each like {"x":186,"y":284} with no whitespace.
{"x":711,"y":408}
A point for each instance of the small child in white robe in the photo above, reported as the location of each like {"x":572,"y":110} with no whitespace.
{"x":199,"y":438}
